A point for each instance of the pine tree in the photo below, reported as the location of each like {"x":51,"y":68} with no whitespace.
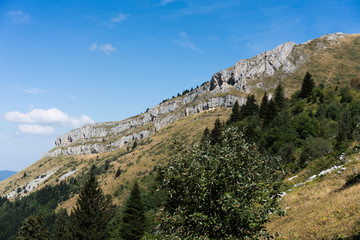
{"x":33,"y":228}
{"x":216,"y":135}
{"x":235,"y":114}
{"x":133,"y":222}
{"x":307,"y":86}
{"x":62,"y":226}
{"x":279,"y":98}
{"x":249,"y":108}
{"x":118,"y":172}
{"x":206,"y":136}
{"x":270,"y":113}
{"x":263,"y":106}
{"x":92,"y":212}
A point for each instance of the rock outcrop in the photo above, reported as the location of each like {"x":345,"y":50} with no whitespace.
{"x":266,"y":63}
{"x":218,"y":92}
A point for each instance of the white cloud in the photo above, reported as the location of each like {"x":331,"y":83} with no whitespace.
{"x":185,"y":42}
{"x":71,"y":97}
{"x":93,"y":47}
{"x":51,"y":116}
{"x":119,"y":18}
{"x":19,"y":16}
{"x":106,"y":48}
{"x":36,"y":129}
{"x":32,"y":90}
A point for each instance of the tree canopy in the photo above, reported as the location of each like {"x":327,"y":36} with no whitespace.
{"x":92,"y":212}
{"x":221,"y":191}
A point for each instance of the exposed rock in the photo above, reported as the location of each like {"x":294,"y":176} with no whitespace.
{"x":266,"y":63}
{"x":102,"y":137}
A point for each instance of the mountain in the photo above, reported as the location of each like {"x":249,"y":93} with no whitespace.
{"x":5,"y":174}
{"x":332,"y":58}
{"x":287,"y":63}
{"x":137,"y":146}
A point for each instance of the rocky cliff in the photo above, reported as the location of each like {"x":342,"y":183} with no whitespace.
{"x":224,"y":88}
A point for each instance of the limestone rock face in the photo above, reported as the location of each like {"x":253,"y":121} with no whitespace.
{"x":266,"y":63}
{"x":218,"y":92}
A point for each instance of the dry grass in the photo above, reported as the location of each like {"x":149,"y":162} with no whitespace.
{"x":137,"y":164}
{"x":319,"y":211}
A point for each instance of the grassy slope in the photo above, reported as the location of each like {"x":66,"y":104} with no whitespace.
{"x":137,"y":164}
{"x":335,"y":64}
{"x":318,"y":210}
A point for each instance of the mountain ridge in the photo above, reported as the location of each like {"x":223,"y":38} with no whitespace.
{"x":224,"y":88}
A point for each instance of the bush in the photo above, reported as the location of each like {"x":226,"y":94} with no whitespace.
{"x":355,"y":83}
{"x":314,"y":148}
{"x":222,"y":191}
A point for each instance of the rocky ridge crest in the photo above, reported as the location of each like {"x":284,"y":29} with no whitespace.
{"x":218,"y":92}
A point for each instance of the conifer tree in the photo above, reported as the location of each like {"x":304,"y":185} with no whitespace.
{"x":307,"y":86}
{"x":270,"y":113}
{"x":216,"y":132}
{"x":92,"y":212}
{"x":33,"y":228}
{"x":263,"y":106}
{"x":62,"y":226}
{"x":279,"y":98}
{"x":235,"y":114}
{"x":133,"y":222}
{"x":206,"y":136}
{"x":249,"y":108}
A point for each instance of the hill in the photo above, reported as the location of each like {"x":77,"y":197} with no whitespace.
{"x":135,"y":147}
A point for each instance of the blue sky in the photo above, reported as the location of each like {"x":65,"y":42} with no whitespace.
{"x":66,"y":63}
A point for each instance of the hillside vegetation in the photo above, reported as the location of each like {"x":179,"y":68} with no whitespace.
{"x":302,"y":143}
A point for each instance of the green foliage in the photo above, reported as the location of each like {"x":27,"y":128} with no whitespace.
{"x":279,"y":98}
{"x":345,"y":95}
{"x":206,"y":136}
{"x":279,"y":132}
{"x":235,"y":114}
{"x":62,"y":226}
{"x":92,"y":212}
{"x":263,"y":106}
{"x":306,"y":126}
{"x":33,"y":228}
{"x":133,"y":221}
{"x":314,"y":148}
{"x":118,"y":172}
{"x":13,"y":213}
{"x":226,"y":191}
{"x":249,"y":108}
{"x":307,"y":86}
{"x":216,"y":132}
{"x":270,"y":112}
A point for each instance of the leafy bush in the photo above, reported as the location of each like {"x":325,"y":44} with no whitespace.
{"x":314,"y":148}
{"x":221,"y":191}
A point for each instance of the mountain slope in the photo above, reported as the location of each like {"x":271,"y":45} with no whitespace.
{"x":328,"y":57}
{"x":184,"y":117}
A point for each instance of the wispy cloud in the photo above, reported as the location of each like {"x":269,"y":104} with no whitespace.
{"x":19,"y":16}
{"x":119,"y":18}
{"x":106,"y":48}
{"x":36,"y":129}
{"x":186,"y":43}
{"x":32,"y":90}
{"x":71,"y":97}
{"x":30,"y":121}
{"x":165,"y":2}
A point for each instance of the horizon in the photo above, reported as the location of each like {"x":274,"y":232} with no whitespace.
{"x":67,"y":64}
